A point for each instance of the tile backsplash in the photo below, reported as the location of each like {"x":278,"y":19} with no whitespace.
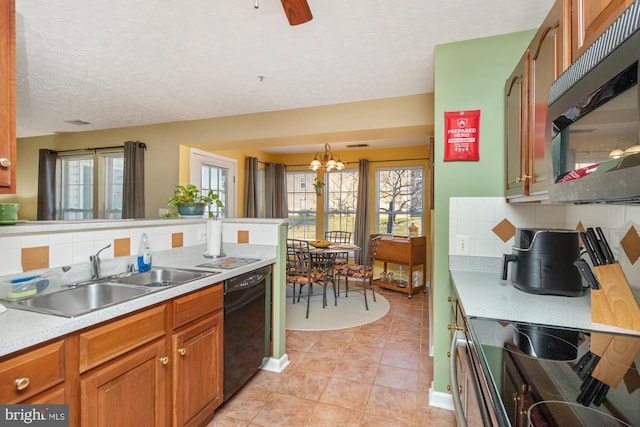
{"x":27,"y":248}
{"x":487,"y":223}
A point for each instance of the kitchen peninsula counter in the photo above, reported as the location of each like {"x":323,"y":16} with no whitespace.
{"x":22,"y":329}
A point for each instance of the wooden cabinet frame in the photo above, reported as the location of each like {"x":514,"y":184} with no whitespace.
{"x":8,"y":96}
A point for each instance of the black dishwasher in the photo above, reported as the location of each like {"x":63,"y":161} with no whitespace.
{"x":245,"y":327}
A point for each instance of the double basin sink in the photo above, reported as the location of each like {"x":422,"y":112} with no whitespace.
{"x":93,"y":295}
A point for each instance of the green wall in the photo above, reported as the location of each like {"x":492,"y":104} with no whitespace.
{"x":469,"y":75}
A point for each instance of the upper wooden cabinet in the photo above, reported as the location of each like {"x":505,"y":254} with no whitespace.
{"x":550,"y":56}
{"x":589,"y":19}
{"x":516,"y":135}
{"x":526,"y":98}
{"x":7,"y":97}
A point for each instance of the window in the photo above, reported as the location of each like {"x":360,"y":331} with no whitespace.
{"x":90,"y":185}
{"x":302,"y":201}
{"x":342,"y":199}
{"x":217,"y":173}
{"x":400,"y":200}
{"x":215,"y":178}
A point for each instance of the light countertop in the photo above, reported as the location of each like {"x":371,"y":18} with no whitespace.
{"x":484,"y":294}
{"x":21,"y":329}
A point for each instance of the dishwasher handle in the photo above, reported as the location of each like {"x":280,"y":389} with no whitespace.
{"x":457,"y":341}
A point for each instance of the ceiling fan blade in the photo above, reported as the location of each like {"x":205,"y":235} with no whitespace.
{"x":297,"y":11}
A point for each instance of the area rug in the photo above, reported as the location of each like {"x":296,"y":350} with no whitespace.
{"x":349,"y":313}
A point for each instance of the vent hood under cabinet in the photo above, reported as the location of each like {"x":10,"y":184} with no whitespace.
{"x":593,"y":120}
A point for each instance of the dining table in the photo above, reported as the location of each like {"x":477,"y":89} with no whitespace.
{"x":323,"y":258}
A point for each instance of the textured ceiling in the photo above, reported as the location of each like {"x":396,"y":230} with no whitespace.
{"x":118,"y":63}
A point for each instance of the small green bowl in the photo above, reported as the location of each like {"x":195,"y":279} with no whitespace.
{"x":9,"y":211}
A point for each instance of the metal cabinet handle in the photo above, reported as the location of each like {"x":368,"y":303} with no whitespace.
{"x":454,"y":327}
{"x":523,"y":178}
{"x":21,"y":383}
{"x":164,"y":360}
{"x":4,"y":162}
{"x":449,"y":388}
{"x":451,"y":299}
{"x":182,"y":351}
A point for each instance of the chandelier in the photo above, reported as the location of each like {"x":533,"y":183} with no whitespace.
{"x":327,"y":161}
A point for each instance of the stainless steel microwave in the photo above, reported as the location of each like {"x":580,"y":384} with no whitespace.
{"x":593,"y":120}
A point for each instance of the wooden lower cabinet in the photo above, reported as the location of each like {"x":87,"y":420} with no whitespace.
{"x":129,"y":391}
{"x":197,"y":371}
{"x":156,"y":367}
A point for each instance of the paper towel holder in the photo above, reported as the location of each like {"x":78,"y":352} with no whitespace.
{"x":206,"y":253}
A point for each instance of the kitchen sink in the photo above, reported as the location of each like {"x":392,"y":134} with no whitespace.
{"x":80,"y":300}
{"x":162,"y":277}
{"x":85,"y":297}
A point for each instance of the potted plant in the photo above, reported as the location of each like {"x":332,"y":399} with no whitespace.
{"x":317,"y":184}
{"x":187,"y":201}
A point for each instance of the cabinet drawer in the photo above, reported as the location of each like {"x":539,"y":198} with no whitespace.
{"x":197,"y":304}
{"x":115,"y":338}
{"x":37,"y":371}
{"x":402,"y":250}
{"x":55,"y":396}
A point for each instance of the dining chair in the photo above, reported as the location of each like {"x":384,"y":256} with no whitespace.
{"x":361,"y":272}
{"x":339,"y":237}
{"x":301,"y":271}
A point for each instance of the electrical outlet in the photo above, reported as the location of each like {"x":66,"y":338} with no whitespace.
{"x":202,"y":235}
{"x":462,"y":245}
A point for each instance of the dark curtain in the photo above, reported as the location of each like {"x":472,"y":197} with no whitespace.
{"x":361,"y":229}
{"x":251,"y":188}
{"x":276,"y":191}
{"x":47,"y":184}
{"x":133,"y":181}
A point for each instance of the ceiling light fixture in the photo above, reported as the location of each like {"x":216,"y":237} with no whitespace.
{"x":327,"y":161}
{"x":616,"y":153}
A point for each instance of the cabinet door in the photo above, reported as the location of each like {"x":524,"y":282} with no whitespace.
{"x":549,"y":58}
{"x":197,"y":371}
{"x":590,"y":18}
{"x":128,"y":391}
{"x":516,"y":129}
{"x":467,"y":390}
{"x":7,"y":98}
{"x":512,"y":389}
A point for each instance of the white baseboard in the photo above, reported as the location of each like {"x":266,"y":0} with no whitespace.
{"x":276,"y":365}
{"x":439,"y":399}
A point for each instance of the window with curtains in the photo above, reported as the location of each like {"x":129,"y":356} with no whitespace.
{"x":302,"y":202}
{"x":400,"y":199}
{"x":341,"y":200}
{"x":90,"y":185}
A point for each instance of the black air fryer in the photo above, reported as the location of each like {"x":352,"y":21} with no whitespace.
{"x":543,"y":262}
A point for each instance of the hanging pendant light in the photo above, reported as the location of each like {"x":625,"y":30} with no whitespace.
{"x":326,"y":161}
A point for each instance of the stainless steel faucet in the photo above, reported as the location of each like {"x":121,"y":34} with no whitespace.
{"x":95,"y":263}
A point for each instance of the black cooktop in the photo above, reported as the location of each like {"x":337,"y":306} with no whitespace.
{"x":560,"y":376}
